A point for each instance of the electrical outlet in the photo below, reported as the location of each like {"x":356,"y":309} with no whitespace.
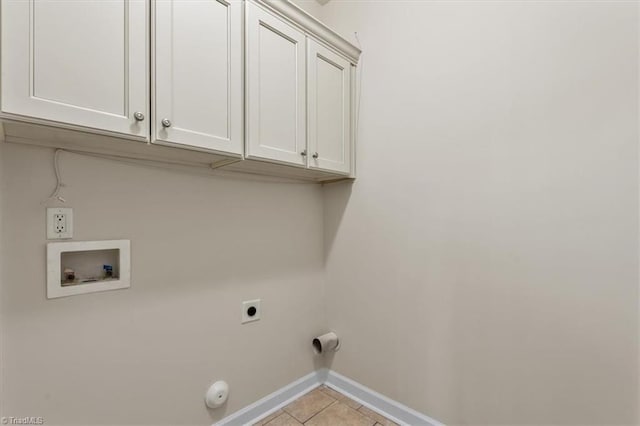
{"x":59,"y":223}
{"x":250,"y":311}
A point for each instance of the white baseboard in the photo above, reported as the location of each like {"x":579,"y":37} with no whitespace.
{"x":275,"y":401}
{"x":379,"y":403}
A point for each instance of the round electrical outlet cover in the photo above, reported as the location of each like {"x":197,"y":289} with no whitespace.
{"x":217,"y":394}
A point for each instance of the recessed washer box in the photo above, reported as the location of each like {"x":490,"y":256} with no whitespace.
{"x":81,"y":267}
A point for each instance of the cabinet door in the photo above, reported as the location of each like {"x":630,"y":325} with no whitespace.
{"x":276,"y":98}
{"x":329,"y":91}
{"x":82,"y":63}
{"x":198,"y":74}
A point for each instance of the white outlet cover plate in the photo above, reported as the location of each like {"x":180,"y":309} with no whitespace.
{"x":52,"y":233}
{"x":245,"y":307}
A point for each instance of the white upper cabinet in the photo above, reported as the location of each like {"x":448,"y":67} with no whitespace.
{"x":224,"y":80}
{"x":198,"y":75}
{"x":276,"y":89}
{"x":329,"y":107}
{"x":80,"y":63}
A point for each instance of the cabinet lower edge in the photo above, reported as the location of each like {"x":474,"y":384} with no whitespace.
{"x":101,"y":144}
{"x":262,"y":167}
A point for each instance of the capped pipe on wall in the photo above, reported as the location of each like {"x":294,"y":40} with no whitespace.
{"x":328,"y":342}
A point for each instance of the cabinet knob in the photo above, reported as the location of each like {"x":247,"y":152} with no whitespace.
{"x":315,"y":155}
{"x":138,"y":116}
{"x":304,"y":153}
{"x":166,"y":122}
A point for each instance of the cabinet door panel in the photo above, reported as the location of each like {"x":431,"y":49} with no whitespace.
{"x":76,"y":62}
{"x":198,"y":73}
{"x":276,"y":95}
{"x":329,"y":121}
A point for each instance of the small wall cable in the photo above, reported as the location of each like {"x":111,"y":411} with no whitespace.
{"x":196,"y":169}
{"x":55,"y":195}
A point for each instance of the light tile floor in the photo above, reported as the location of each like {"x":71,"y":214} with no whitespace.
{"x":325,"y":407}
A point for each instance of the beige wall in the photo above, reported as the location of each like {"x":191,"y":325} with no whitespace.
{"x":200,"y":246}
{"x":310,"y":6}
{"x":146,"y":355}
{"x":1,"y":277}
{"x":483,"y":268}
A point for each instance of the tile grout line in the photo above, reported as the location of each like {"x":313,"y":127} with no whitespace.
{"x":334,"y":401}
{"x":341,"y":399}
{"x":344,"y":399}
{"x":316,"y":389}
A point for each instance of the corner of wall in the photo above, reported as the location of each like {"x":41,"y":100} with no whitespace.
{"x":2,"y":180}
{"x":638,"y":200}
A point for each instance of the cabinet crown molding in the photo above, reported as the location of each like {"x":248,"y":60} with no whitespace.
{"x":313,"y":27}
